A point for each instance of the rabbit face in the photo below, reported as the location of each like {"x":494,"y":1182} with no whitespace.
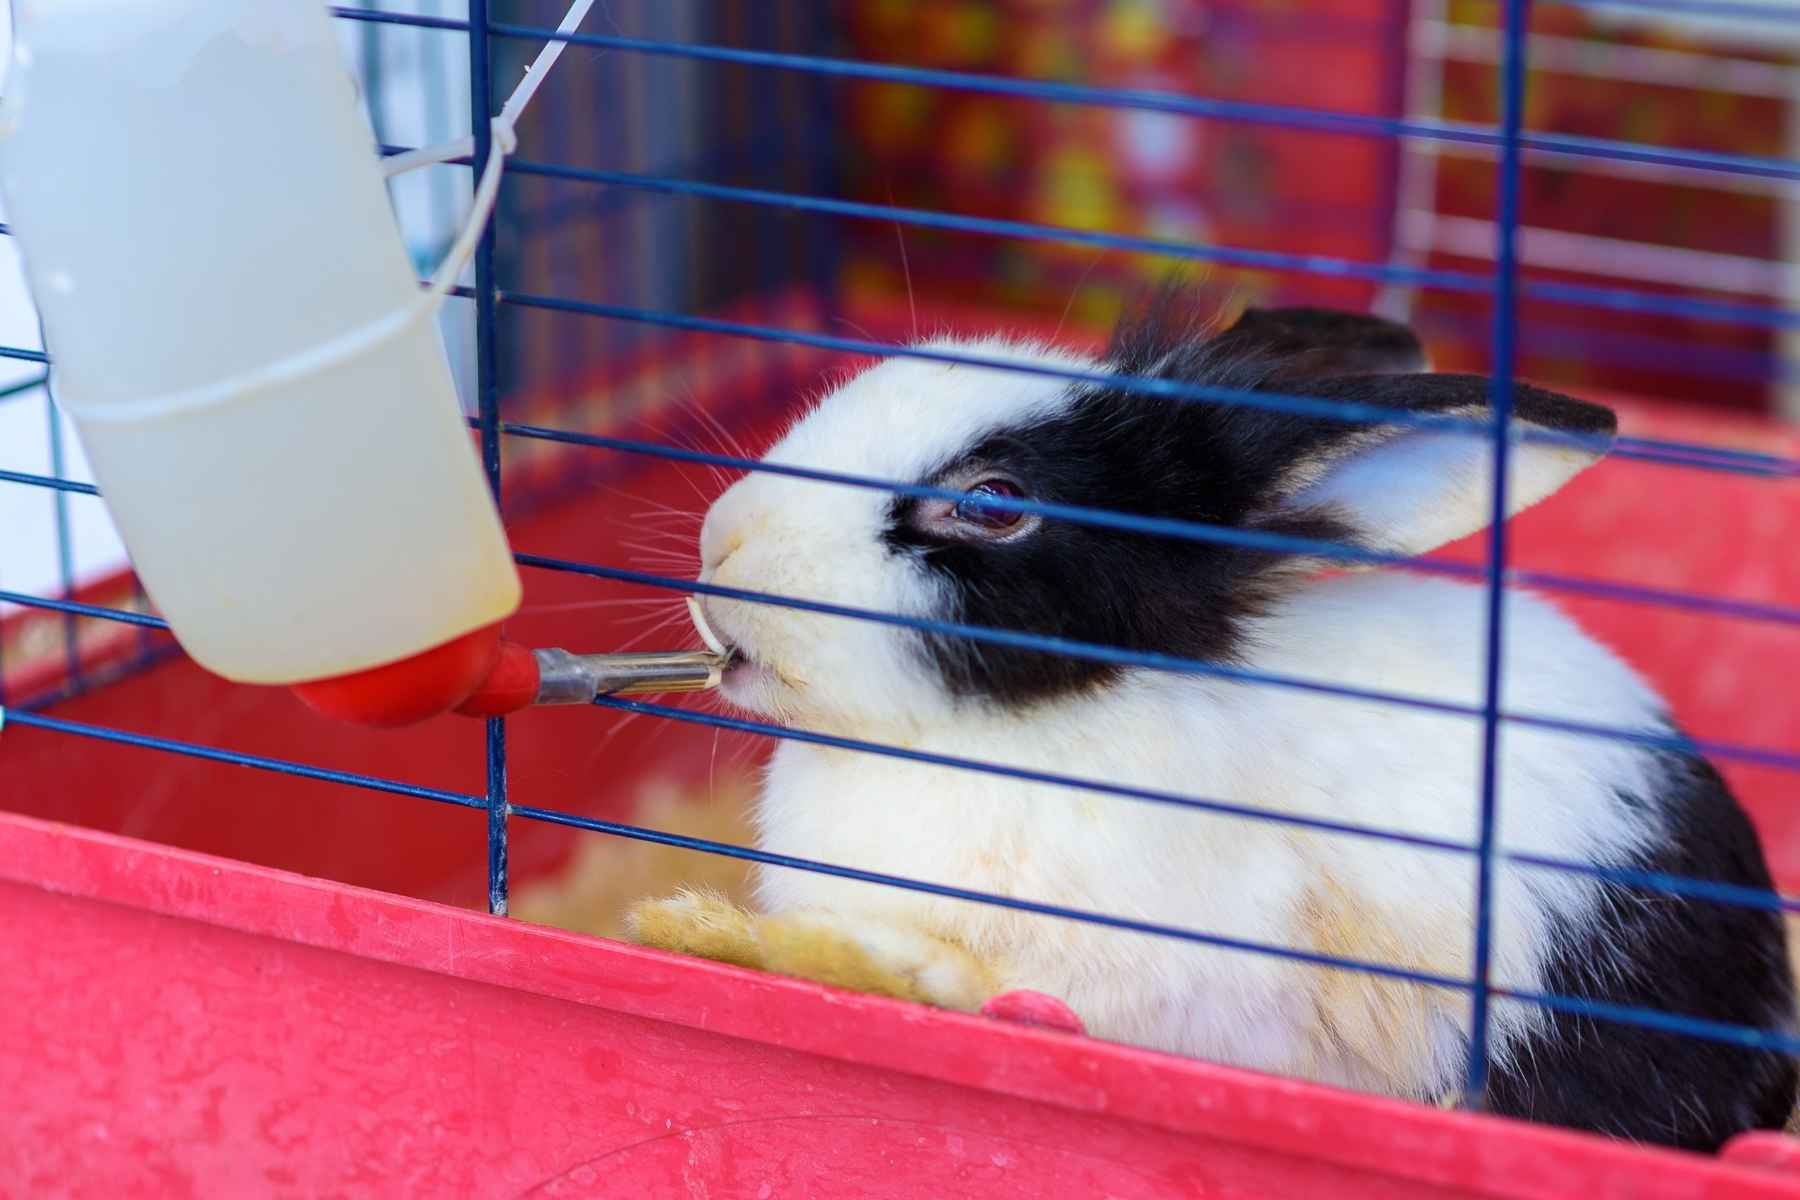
{"x":991,"y":432}
{"x":907,"y":420}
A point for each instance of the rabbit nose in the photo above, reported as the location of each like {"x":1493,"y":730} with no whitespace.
{"x":717,"y":545}
{"x":729,"y":523}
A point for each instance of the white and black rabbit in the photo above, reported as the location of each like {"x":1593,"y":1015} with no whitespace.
{"x":1393,"y":488}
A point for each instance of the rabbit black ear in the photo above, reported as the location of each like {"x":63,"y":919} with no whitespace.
{"x":1173,"y":332}
{"x":1323,"y":343}
{"x":1400,"y":488}
{"x":1408,"y":489}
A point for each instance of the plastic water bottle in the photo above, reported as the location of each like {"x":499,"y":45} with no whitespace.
{"x":197,"y":196}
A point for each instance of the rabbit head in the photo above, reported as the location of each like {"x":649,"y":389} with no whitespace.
{"x":993,"y":433}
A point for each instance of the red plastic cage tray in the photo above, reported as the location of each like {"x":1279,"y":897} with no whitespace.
{"x":191,"y":1018}
{"x":187,"y":1025}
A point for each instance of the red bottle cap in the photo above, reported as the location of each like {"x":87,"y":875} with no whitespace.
{"x":510,"y":685}
{"x":477,"y":666}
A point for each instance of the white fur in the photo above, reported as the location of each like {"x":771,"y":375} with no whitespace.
{"x":1278,"y":748}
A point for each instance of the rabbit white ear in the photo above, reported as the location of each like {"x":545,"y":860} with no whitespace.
{"x":1410,"y":489}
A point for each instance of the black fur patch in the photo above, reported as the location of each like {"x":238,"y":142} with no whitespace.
{"x":1675,"y":954}
{"x":1135,"y":591}
{"x":1210,"y":462}
{"x":1319,"y":343}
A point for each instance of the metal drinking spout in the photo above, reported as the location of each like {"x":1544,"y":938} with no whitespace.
{"x":565,"y":678}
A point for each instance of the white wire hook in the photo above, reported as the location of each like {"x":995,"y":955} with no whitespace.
{"x":503,"y":139}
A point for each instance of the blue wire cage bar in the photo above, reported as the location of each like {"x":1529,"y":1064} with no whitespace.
{"x":492,"y":300}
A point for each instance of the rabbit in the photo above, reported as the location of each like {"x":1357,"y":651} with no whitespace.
{"x":1397,"y":488}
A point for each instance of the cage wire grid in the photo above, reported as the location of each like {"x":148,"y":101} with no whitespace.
{"x":1512,"y":148}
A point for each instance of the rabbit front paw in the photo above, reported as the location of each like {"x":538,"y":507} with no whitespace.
{"x":700,"y":923}
{"x":866,"y":954}
{"x":857,"y":953}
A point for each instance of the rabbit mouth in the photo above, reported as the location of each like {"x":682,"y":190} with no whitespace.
{"x":743,"y":667}
{"x":747,"y":681}
{"x":756,"y":684}
{"x":741,"y":672}
{"x":752,"y":686}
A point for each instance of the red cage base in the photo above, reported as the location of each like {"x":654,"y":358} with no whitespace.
{"x":185,"y":1025}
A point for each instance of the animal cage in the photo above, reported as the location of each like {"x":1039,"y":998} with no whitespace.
{"x":251,"y":951}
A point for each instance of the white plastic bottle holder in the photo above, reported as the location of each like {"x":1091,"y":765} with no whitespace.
{"x":238,"y":333}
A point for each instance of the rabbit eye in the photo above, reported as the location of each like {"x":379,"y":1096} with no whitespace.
{"x":986,"y":516}
{"x":975,"y":517}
